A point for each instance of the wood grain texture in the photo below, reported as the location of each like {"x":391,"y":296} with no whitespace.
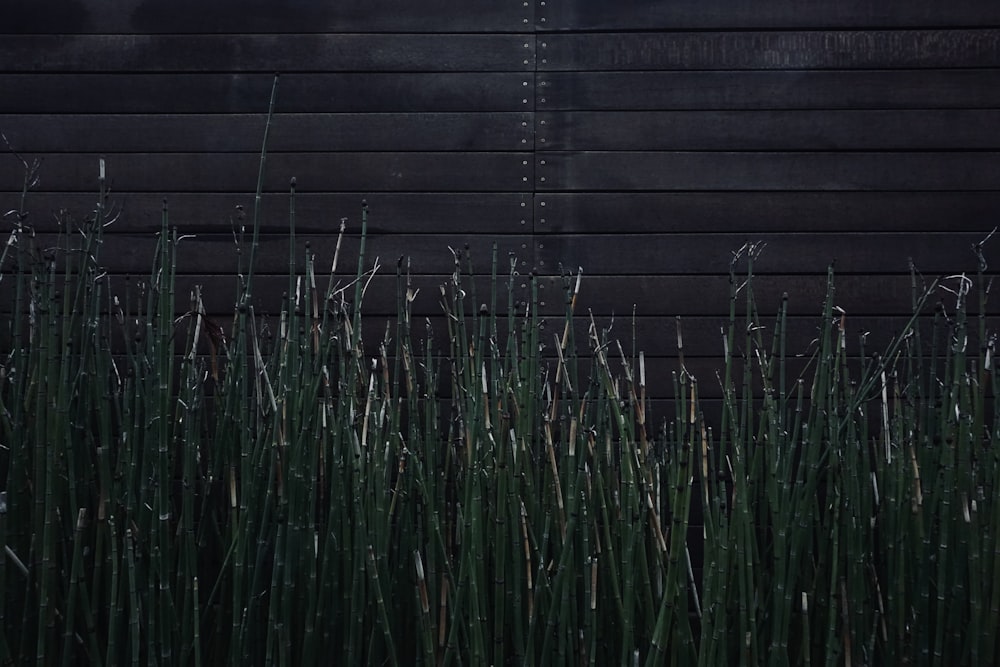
{"x":702,"y":336}
{"x":268,"y":53}
{"x":316,"y":213}
{"x":772,"y":90}
{"x":225,"y":133}
{"x":760,"y":212}
{"x":654,"y":139}
{"x":777,"y":130}
{"x":126,"y":253}
{"x":789,"y":253}
{"x":265,"y":16}
{"x":611,"y":170}
{"x":316,"y":172}
{"x":708,"y":295}
{"x":709,"y":371}
{"x":239,"y":93}
{"x":770,"y":50}
{"x":221,"y":292}
{"x":761,"y":14}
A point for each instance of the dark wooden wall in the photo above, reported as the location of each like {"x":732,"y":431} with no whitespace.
{"x":643,"y":141}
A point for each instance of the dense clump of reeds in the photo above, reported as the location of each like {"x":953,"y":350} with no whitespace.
{"x":179,"y":494}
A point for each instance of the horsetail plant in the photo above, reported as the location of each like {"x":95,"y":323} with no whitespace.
{"x":290,"y":491}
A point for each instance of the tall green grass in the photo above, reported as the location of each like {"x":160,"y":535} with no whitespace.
{"x":304,"y":491}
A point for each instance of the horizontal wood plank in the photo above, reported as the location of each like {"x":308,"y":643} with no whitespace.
{"x":316,"y":132}
{"x":316,"y":172}
{"x":663,"y":374}
{"x":220,"y":294}
{"x":924,"y":129}
{"x":265,"y":16}
{"x":221,"y":254}
{"x":656,"y":336}
{"x":250,"y":93}
{"x":761,"y":14}
{"x":795,"y":253}
{"x":316,"y":213}
{"x":757,"y":212}
{"x":770,"y":50}
{"x":709,"y":371}
{"x":602,"y":171}
{"x":708,"y":295}
{"x":267,"y":53}
{"x":819,"y":89}
{"x":864,"y":337}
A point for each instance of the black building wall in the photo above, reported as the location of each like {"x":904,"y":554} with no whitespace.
{"x":642,"y":141}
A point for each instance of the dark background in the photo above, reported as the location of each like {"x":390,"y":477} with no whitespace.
{"x":643,"y":141}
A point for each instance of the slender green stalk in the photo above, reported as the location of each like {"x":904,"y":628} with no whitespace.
{"x":286,"y":490}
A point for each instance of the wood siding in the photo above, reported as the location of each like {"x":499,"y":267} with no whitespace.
{"x":642,"y":141}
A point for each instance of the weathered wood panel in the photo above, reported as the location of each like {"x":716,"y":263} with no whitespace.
{"x":760,"y":14}
{"x":763,"y":212}
{"x":702,"y":336}
{"x":708,"y":295}
{"x":613,"y":170}
{"x":771,"y":90}
{"x":770,"y":130}
{"x":257,"y":16}
{"x":779,"y":50}
{"x":239,"y":93}
{"x":267,"y":53}
{"x":316,"y":172}
{"x":316,"y":213}
{"x":667,"y":135}
{"x":133,"y":253}
{"x":314,"y":132}
{"x":708,"y":371}
{"x":220,"y":293}
{"x":664,"y":400}
{"x":805,"y":252}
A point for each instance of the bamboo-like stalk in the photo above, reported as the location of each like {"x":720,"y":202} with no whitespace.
{"x":286,"y":498}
